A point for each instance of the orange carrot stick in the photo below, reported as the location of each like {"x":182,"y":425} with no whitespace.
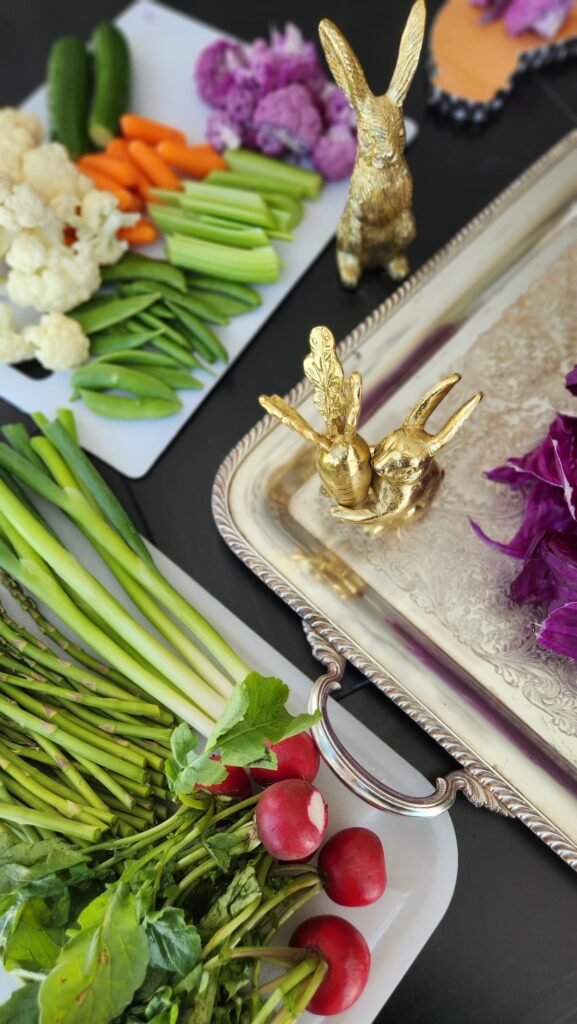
{"x":126,"y":200}
{"x":119,"y":170}
{"x":153,"y":166}
{"x":118,"y":150}
{"x":195,"y":160}
{"x":141,"y":233}
{"x":136,"y":127}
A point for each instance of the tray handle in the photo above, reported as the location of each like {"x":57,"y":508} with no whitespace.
{"x":362,"y":782}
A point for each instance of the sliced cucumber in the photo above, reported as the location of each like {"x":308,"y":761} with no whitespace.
{"x":111,"y":83}
{"x":68,"y":80}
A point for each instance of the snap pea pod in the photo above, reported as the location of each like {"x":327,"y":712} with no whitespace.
{"x":104,"y":376}
{"x":196,"y":304}
{"x":134,"y":266}
{"x":139,"y":358}
{"x":167,"y":329}
{"x":161,"y":311}
{"x":236,"y":290}
{"x":103,"y":312}
{"x":180,"y":355}
{"x":105,"y":342}
{"x":205,"y":340}
{"x":119,"y":407}
{"x":179,"y":380}
{"x":223,"y":305}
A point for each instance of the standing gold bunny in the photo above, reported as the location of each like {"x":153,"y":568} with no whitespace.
{"x":377,"y":223}
{"x":389,"y":484}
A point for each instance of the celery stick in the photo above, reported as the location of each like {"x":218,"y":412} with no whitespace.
{"x":246,"y":207}
{"x":243,"y":214}
{"x":233,"y":179}
{"x":293,"y":207}
{"x":245,"y":161}
{"x":172,"y":220}
{"x":261,"y":266}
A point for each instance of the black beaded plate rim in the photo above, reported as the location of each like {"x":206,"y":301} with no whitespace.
{"x":465,"y":111}
{"x":313,"y":617}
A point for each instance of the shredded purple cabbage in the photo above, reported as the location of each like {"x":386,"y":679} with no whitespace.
{"x":275,"y":96}
{"x":546,"y":541}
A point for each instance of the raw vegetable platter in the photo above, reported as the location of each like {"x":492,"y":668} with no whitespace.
{"x":164,"y":46}
{"x":421,"y":855}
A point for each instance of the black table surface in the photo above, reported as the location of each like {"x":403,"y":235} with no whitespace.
{"x":505,"y":952}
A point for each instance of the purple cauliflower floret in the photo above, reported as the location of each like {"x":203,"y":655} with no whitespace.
{"x":215,"y":70}
{"x":337,"y":109}
{"x":543,"y":16}
{"x":287,"y":119}
{"x":259,"y":73}
{"x":240,"y":103}
{"x":297,"y":60}
{"x":223,"y":132}
{"x":335,"y":152}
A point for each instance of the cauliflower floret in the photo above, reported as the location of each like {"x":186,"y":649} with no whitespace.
{"x":58,"y":342}
{"x":19,"y":132}
{"x":50,"y":170}
{"x":27,"y":253}
{"x":99,"y":219}
{"x":69,"y":277}
{"x":13,"y":346}
{"x":24,"y":207}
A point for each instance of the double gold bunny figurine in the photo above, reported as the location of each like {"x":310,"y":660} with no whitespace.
{"x":388,"y":484}
{"x":377,"y":223}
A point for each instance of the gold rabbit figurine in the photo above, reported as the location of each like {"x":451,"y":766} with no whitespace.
{"x":388,"y":484}
{"x":377,"y":223}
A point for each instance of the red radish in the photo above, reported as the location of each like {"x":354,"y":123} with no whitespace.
{"x":352,"y":864}
{"x":297,"y":758}
{"x":291,"y":819}
{"x":237,"y":782}
{"x":348,"y":957}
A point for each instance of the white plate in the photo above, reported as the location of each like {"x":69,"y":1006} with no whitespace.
{"x":421,"y":854}
{"x":165,"y":46}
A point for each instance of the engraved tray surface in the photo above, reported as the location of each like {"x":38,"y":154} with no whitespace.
{"x":424,"y":611}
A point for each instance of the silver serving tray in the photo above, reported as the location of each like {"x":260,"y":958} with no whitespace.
{"x":423,"y":612}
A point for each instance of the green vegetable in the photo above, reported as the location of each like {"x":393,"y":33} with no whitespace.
{"x":274,"y":172}
{"x":107,"y":342}
{"x":133,"y":266}
{"x":101,"y":966}
{"x":111,"y":99}
{"x":166,"y":330}
{"x":116,"y":407}
{"x":67,"y":79}
{"x":192,"y":301}
{"x":139,"y":357}
{"x":242,"y":292}
{"x":252,"y":265}
{"x":22,"y":1006}
{"x":105,"y":311}
{"x":205,"y":340}
{"x":177,"y":379}
{"x":176,"y":352}
{"x":173,"y":220}
{"x":102,"y":376}
{"x":227,"y":204}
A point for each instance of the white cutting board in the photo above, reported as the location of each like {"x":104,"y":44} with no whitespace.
{"x":420,"y":854}
{"x":165,"y":45}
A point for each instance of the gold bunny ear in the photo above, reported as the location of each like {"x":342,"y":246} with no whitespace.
{"x":409,"y":52}
{"x":447,"y":433}
{"x":344,"y":63}
{"x":353,"y":391}
{"x":277,"y":407}
{"x":325,"y":373}
{"x":420,"y":413}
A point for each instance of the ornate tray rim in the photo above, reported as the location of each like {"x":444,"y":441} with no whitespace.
{"x":505,"y":796}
